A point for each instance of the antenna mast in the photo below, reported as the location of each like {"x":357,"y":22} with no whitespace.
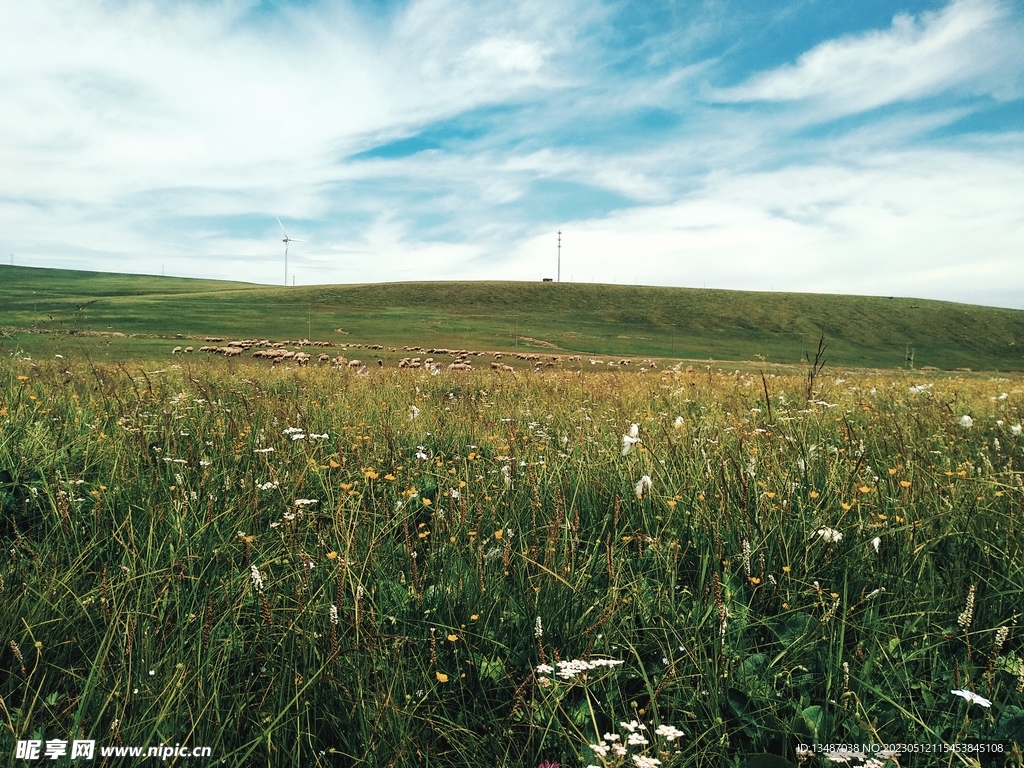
{"x":559,"y":255}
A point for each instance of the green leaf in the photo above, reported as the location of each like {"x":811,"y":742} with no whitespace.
{"x":814,"y":718}
{"x":1011,"y":724}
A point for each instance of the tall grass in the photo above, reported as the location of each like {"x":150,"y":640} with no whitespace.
{"x":790,"y":579}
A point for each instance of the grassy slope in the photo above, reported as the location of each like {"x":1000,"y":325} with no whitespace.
{"x":588,"y":318}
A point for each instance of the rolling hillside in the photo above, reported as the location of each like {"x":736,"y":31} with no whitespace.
{"x":42,"y":310}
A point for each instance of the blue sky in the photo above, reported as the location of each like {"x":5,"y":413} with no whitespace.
{"x":849,"y":146}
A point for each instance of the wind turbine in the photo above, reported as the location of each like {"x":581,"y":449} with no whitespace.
{"x":286,"y":241}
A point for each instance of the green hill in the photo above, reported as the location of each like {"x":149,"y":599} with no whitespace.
{"x":43,"y":310}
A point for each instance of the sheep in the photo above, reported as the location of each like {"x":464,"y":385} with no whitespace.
{"x":323,"y":358}
{"x":176,"y":351}
{"x":355,"y":363}
{"x":188,"y":350}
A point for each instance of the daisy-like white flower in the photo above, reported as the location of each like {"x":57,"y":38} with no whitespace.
{"x":421,"y":453}
{"x":637,"y":740}
{"x":830,"y":535}
{"x":630,"y":439}
{"x":668,"y":732}
{"x":972,"y":697}
{"x":643,"y":486}
{"x":966,"y":421}
{"x":1016,"y":429}
{"x":633,"y":726}
{"x":545,"y":669}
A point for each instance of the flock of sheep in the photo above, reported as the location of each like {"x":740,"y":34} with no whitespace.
{"x":277,"y":352}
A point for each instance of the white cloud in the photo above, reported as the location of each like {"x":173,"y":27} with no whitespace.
{"x":922,"y":224}
{"x":971,"y":45}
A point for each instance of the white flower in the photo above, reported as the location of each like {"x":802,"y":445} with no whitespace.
{"x":268,"y":485}
{"x":599,"y":749}
{"x":1016,"y":429}
{"x":413,"y":412}
{"x":633,"y":726}
{"x":668,"y":732}
{"x":318,"y":437}
{"x":611,"y":737}
{"x":630,"y":439}
{"x":643,"y":486}
{"x":421,"y":453}
{"x":299,"y":436}
{"x":876,"y":543}
{"x":264,"y":450}
{"x":636,"y":740}
{"x":545,"y":669}
{"x":538,"y":629}
{"x":257,"y":578}
{"x":291,"y":431}
{"x":830,"y":535}
{"x":645,"y":762}
{"x":305,"y":502}
{"x":972,"y":697}
{"x":966,"y":421}
{"x":678,"y":422}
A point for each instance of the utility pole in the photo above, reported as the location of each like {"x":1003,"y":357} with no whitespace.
{"x":559,"y":255}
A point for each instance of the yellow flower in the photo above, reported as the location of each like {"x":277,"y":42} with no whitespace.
{"x":814,"y":494}
{"x":499,"y":533}
{"x":332,"y":555}
{"x":845,"y":506}
{"x":864,"y":489}
{"x":426,"y":502}
{"x":389,"y":476}
{"x":453,"y":638}
{"x":441,"y":677}
{"x":905,"y":483}
{"x":369,"y":474}
{"x":474,"y":617}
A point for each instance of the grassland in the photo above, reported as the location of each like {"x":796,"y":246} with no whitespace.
{"x":804,"y":568}
{"x":47,"y":312}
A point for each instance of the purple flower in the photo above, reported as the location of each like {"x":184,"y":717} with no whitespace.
{"x":549,"y":764}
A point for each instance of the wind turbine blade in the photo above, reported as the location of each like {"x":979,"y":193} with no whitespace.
{"x":293,"y":240}
{"x":282,"y":226}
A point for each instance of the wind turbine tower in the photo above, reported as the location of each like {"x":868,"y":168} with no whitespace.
{"x":559,"y":255}
{"x":286,"y":240}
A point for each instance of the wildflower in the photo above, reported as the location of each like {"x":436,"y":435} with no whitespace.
{"x":545,"y":669}
{"x":830,"y":535}
{"x":966,"y":421}
{"x":549,"y":764}
{"x":645,"y":762}
{"x":257,"y":578}
{"x":668,"y":732}
{"x":305,"y":502}
{"x":876,"y":543}
{"x":1016,"y":429}
{"x":965,"y":618}
{"x":632,"y":726}
{"x":643,"y":486}
{"x":264,"y":450}
{"x":972,"y":697}
{"x":299,"y":436}
{"x":678,"y":422}
{"x":636,"y":740}
{"x":630,"y":439}
{"x":413,"y":412}
{"x":315,"y":436}
{"x":334,"y":614}
{"x":421,"y":453}
{"x":268,"y":485}
{"x":600,"y":749}
{"x":611,"y":737}
{"x":538,"y":629}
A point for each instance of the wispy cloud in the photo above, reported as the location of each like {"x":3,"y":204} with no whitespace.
{"x":967,"y":46}
{"x":435,"y":139}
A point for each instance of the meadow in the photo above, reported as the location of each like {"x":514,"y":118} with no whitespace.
{"x":111,"y":317}
{"x":388,"y":568}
